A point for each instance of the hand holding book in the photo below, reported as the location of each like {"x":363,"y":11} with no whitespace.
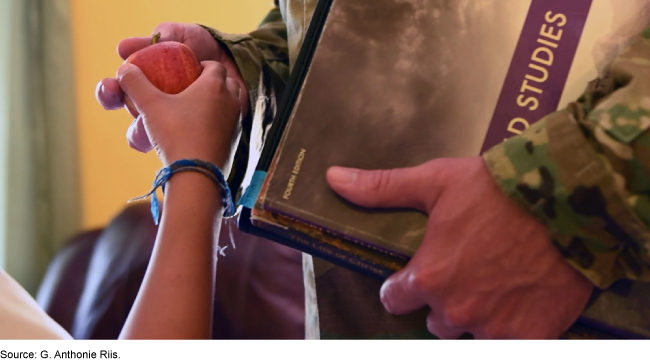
{"x":485,"y":266}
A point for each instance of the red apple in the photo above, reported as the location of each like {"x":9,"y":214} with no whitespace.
{"x":170,"y":66}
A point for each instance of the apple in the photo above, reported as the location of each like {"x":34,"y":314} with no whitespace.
{"x":170,"y":66}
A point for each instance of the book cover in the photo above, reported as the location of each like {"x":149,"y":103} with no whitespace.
{"x":413,"y":81}
{"x":398,"y":83}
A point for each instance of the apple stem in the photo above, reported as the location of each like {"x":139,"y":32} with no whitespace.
{"x":155,"y":38}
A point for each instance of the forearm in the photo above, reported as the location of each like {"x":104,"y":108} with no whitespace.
{"x":176,"y":297}
{"x":585,"y":172}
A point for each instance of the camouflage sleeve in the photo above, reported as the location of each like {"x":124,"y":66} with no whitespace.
{"x":585,"y":171}
{"x":262,"y":58}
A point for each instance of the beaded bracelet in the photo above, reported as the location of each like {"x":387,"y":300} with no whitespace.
{"x":203,"y":167}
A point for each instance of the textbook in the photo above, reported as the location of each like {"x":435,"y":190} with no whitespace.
{"x":395,"y":83}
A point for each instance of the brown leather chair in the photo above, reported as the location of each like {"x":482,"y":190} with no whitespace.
{"x":92,"y":282}
{"x":259,"y":290}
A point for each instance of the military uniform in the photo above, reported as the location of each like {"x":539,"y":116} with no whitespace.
{"x":583,"y":171}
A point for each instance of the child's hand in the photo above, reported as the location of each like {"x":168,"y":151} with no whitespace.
{"x":198,"y":39}
{"x":110,"y":95}
{"x":201,"y":122}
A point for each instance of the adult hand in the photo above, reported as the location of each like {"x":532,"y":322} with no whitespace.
{"x":201,"y":122}
{"x":199,"y":40}
{"x":485,"y":266}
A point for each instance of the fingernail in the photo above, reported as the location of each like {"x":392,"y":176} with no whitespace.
{"x":343,"y":175}
{"x":99,"y":89}
{"x":384,"y":298}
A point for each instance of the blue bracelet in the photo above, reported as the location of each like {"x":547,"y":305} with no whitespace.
{"x":205,"y":168}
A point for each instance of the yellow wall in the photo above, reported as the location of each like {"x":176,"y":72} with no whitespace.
{"x":112,"y":173}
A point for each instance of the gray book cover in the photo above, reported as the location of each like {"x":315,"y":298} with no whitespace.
{"x":395,"y":83}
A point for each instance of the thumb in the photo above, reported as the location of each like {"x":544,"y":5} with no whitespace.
{"x":395,"y":188}
{"x":136,"y":85}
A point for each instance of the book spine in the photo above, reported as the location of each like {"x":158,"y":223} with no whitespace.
{"x":296,"y":79}
{"x":538,"y":52}
{"x":316,"y":248}
{"x":361,"y":243}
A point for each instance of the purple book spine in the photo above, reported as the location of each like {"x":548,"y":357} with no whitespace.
{"x":539,"y":68}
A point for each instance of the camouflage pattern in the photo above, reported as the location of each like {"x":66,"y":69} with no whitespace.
{"x":585,"y":171}
{"x":262,"y":58}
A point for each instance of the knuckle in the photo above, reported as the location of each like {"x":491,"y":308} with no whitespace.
{"x":220,"y":68}
{"x":439,"y":330}
{"x":458,"y":317}
{"x":221,"y":90}
{"x":419,"y":281}
{"x":216,"y":85}
{"x":132,"y":76}
{"x":379,"y":180}
{"x":164,"y":26}
{"x":217,"y":70}
{"x":218,"y":76}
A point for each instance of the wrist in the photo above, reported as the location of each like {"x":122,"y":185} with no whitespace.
{"x":211,"y":171}
{"x":221,"y":158}
{"x":193,"y":186}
